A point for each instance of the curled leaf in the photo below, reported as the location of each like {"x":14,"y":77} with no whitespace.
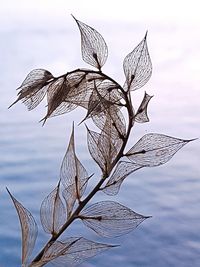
{"x":155,"y":149}
{"x":141,"y":114}
{"x":122,"y":170}
{"x":71,"y":252}
{"x":34,"y":88}
{"x":137,"y":66}
{"x":29,"y":230}
{"x":109,"y":218}
{"x":93,"y":47}
{"x":52,"y":212}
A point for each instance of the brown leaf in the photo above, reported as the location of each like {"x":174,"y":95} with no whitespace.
{"x":71,"y":252}
{"x":109,"y":218}
{"x":73,"y":175}
{"x":137,"y":66}
{"x":29,"y":230}
{"x":111,"y":122}
{"x":121,"y":171}
{"x":69,"y":91}
{"x":55,"y":97}
{"x":155,"y":149}
{"x":102,"y":98}
{"x":52,"y":212}
{"x":102,"y":149}
{"x":34,"y":88}
{"x":141,"y":114}
{"x":93,"y":47}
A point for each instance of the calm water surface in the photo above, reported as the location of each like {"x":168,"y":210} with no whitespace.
{"x":30,"y":155}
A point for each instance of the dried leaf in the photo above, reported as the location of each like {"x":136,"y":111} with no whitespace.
{"x":73,"y":93}
{"x":69,"y":91}
{"x":104,"y":108}
{"x":33,"y":88}
{"x":102,"y":98}
{"x":122,"y":170}
{"x":141,"y":114}
{"x":55,"y":250}
{"x":72,"y":252}
{"x":109,"y":218}
{"x":137,"y":66}
{"x":52,"y":212}
{"x":29,"y":230}
{"x":102,"y":150}
{"x":55,"y":96}
{"x":155,"y":149}
{"x":73,"y":175}
{"x":93,"y":47}
{"x":111,"y":122}
{"x":81,"y":88}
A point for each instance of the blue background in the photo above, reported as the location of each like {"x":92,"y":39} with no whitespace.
{"x":30,"y":155}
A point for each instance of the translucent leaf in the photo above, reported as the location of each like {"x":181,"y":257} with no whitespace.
{"x":115,"y":131}
{"x":95,"y":151}
{"x":73,"y":91}
{"x":82,"y":95}
{"x":71,"y":252}
{"x":52,"y":212}
{"x":137,"y":66}
{"x":93,"y":47}
{"x":101,"y":98}
{"x":69,"y":194}
{"x":111,"y":122}
{"x":122,"y":170}
{"x":29,"y":230}
{"x":155,"y":149}
{"x":33,"y":88}
{"x":94,"y":105}
{"x":141,"y":114}
{"x":102,"y":150}
{"x":104,"y":108}
{"x":55,"y":96}
{"x":109,"y":218}
{"x":37,"y":264}
{"x":69,"y":91}
{"x":81,"y":89}
{"x":74,"y":176}
{"x":55,"y":250}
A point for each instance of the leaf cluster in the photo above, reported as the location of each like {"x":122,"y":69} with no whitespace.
{"x":105,"y":102}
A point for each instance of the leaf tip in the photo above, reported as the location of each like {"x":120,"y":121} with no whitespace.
{"x":11,"y":196}
{"x":8,"y":191}
{"x":74,"y":17}
{"x":147,"y":217}
{"x":12,"y":104}
{"x":114,"y":246}
{"x":190,"y":140}
{"x":73,"y":129}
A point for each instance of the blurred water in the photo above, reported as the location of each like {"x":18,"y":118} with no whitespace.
{"x":30,"y":155}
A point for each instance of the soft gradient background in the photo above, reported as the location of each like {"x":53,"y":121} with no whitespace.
{"x":42,"y":34}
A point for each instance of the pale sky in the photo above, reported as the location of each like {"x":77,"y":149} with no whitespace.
{"x":171,"y":11}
